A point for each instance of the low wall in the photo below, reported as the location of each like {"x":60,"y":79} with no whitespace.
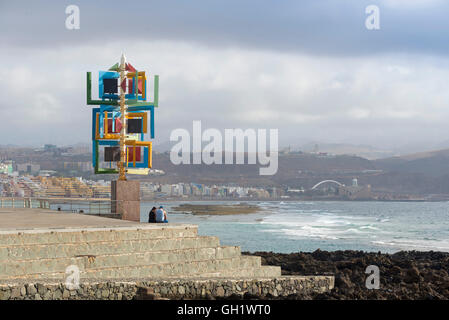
{"x":172,"y":289}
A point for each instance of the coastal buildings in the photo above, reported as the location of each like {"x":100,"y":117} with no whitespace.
{"x":47,"y":186}
{"x":27,"y":179}
{"x":355,"y":192}
{"x":195,"y":190}
{"x":43,"y":186}
{"x":6,"y":167}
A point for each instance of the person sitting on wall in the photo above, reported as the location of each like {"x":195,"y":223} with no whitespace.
{"x":161,"y":215}
{"x":152,"y":215}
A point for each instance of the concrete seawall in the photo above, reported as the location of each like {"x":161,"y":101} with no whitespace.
{"x":172,"y":289}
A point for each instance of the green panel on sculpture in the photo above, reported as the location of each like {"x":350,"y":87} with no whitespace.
{"x":115,"y":67}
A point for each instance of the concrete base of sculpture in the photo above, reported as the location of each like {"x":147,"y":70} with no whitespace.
{"x":125,"y":196}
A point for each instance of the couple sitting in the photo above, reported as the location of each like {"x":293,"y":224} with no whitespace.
{"x":158,"y":215}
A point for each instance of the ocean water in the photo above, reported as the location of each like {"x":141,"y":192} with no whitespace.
{"x":327,"y":225}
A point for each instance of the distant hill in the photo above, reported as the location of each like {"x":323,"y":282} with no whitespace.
{"x":423,"y":173}
{"x":293,"y":169}
{"x":364,"y":151}
{"x":433,"y":163}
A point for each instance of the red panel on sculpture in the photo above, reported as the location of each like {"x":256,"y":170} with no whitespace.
{"x":130,"y":154}
{"x":139,"y":86}
{"x":110,"y":126}
{"x":118,"y":125}
{"x":129,"y":67}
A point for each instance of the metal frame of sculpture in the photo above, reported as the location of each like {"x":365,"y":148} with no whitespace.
{"x":120,"y":123}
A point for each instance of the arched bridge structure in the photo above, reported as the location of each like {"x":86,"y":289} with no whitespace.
{"x":326,"y":181}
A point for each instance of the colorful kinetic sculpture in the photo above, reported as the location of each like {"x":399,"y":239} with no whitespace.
{"x":120,"y":123}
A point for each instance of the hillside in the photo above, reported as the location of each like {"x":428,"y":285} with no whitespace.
{"x":293,"y":170}
{"x":434,"y":163}
{"x":419,"y":174}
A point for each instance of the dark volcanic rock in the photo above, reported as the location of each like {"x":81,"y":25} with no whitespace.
{"x":412,"y":275}
{"x":403,"y":275}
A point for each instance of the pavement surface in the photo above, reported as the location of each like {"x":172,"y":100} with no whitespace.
{"x":31,"y":219}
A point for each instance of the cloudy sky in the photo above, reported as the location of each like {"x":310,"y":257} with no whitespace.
{"x":309,"y":68}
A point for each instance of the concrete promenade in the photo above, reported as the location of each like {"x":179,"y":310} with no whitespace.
{"x":31,"y":219}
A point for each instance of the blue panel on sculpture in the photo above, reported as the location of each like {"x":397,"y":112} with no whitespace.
{"x":108,"y":143}
{"x":108,"y":75}
{"x":105,"y":75}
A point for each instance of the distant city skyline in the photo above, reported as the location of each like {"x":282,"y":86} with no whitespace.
{"x":311,"y":70}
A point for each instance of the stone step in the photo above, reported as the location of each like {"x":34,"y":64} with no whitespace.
{"x":250,"y":261}
{"x":261,"y":272}
{"x":251,"y":273}
{"x":80,"y":235}
{"x":84,"y":263}
{"x":191,"y":268}
{"x":216,"y":267}
{"x":70,"y":250}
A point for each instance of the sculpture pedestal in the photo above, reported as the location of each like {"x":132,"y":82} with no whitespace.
{"x":125,"y":196}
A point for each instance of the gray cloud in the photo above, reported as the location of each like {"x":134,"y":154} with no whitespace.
{"x":309,"y":68}
{"x":325,"y":27}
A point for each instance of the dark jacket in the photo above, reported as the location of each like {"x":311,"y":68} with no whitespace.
{"x":152,"y":217}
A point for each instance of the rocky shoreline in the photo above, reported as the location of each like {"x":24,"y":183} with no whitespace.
{"x":215,"y":209}
{"x":403,"y":275}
